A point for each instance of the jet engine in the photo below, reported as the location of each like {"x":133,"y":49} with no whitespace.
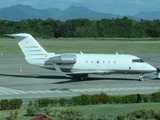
{"x":64,"y":59}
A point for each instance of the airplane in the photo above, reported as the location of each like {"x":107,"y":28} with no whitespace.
{"x":79,"y":64}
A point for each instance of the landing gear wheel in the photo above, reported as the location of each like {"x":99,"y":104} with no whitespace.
{"x":83,"y":77}
{"x":141,"y":78}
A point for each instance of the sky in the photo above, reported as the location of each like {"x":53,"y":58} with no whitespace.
{"x":118,"y":7}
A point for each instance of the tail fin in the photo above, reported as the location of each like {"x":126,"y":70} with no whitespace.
{"x":28,"y":45}
{"x":34,"y":53}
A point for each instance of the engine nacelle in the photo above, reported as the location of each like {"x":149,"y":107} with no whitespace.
{"x":64,"y":59}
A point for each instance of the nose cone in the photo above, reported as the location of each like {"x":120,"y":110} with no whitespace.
{"x":150,"y":68}
{"x":154,"y":69}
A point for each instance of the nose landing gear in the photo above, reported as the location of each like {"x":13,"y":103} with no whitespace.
{"x":158,"y":73}
{"x":141,"y":78}
{"x":156,"y":76}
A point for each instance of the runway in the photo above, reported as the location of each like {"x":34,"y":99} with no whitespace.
{"x":34,"y":82}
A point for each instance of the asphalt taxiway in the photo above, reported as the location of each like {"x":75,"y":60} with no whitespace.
{"x":18,"y":79}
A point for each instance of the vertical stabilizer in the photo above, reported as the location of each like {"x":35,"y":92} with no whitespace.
{"x":29,"y":45}
{"x":34,"y":53}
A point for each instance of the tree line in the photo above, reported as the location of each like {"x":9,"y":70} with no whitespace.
{"x":50,"y":28}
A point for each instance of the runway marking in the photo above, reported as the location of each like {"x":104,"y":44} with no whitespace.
{"x":9,"y":91}
{"x":3,"y":92}
{"x":48,"y":91}
{"x":32,"y":92}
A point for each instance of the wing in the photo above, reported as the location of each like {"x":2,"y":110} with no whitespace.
{"x":81,"y":72}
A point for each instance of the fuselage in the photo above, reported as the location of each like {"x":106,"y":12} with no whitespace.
{"x":105,"y":64}
{"x":112,"y":64}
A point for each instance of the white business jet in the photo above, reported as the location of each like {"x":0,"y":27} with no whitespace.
{"x":80,"y":64}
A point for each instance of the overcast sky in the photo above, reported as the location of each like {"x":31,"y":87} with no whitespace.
{"x":121,"y":7}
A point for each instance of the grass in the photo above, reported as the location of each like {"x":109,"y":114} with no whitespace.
{"x":109,"y":109}
{"x":86,"y":46}
{"x":115,"y":109}
{"x":104,"y":47}
{"x":107,"y":39}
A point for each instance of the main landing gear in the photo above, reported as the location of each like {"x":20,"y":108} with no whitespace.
{"x":83,"y":77}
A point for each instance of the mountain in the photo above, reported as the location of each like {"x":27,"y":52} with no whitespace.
{"x":82,"y":12}
{"x":148,"y":15}
{"x":19,"y":12}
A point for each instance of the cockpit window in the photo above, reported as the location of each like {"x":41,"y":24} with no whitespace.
{"x":137,"y":60}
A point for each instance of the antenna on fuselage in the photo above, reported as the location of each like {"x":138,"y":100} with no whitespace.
{"x":117,"y":53}
{"x":81,"y":52}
